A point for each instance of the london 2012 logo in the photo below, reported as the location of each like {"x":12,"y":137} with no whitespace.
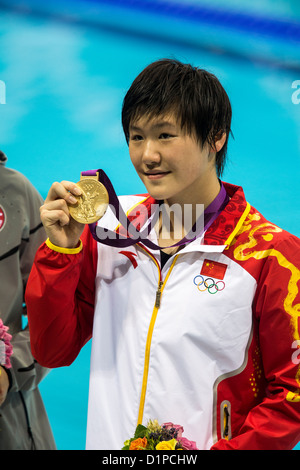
{"x":2,"y":218}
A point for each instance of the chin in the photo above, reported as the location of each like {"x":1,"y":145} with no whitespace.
{"x":156,"y":194}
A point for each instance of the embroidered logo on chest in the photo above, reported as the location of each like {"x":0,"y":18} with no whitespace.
{"x":210,"y":271}
{"x":2,"y":218}
{"x":130,"y":256}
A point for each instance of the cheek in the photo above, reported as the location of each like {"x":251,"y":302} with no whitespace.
{"x":188,"y":167}
{"x":133,"y":157}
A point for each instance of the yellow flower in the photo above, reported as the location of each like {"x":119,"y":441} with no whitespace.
{"x":166,"y":445}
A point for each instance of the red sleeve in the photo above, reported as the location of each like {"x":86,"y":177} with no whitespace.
{"x":274,"y":424}
{"x":60,"y":302}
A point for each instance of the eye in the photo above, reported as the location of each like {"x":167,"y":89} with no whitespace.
{"x":165,"y":135}
{"x":136,"y":137}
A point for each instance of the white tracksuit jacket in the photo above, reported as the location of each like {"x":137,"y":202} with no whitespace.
{"x":167,"y":343}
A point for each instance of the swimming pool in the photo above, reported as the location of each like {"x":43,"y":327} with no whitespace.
{"x":66,"y":70}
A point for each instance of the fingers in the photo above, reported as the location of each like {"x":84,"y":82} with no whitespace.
{"x":55,"y":212}
{"x":60,"y":228}
{"x":55,"y":209}
{"x":65,"y":190}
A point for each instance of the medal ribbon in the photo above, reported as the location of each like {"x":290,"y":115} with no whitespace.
{"x":111,"y":238}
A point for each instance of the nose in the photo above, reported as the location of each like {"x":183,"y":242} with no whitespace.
{"x":151,"y":154}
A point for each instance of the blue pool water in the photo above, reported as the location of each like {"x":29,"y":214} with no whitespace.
{"x":66,"y":69}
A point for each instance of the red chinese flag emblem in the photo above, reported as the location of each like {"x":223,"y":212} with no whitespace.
{"x":2,"y":218}
{"x":213,"y":269}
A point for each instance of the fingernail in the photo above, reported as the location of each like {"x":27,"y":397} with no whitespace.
{"x":72,"y":199}
{"x":76,"y":190}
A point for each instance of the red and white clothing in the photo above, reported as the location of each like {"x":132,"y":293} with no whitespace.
{"x":170,"y":345}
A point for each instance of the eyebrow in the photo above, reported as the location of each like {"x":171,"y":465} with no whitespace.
{"x":158,"y":125}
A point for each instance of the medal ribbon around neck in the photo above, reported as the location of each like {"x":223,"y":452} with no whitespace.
{"x":111,"y":238}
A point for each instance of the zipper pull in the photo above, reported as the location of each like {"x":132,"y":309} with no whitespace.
{"x":226,"y":422}
{"x":158,"y":295}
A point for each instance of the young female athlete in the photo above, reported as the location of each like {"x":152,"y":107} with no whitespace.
{"x":201,"y":331}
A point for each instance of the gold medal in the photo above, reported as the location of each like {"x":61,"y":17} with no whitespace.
{"x":92,"y":203}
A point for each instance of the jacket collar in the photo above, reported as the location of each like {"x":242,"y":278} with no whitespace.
{"x":222,"y":231}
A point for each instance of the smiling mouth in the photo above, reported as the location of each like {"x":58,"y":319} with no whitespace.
{"x":156,"y":175}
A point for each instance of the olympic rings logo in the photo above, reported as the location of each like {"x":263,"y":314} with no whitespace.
{"x":208,"y":284}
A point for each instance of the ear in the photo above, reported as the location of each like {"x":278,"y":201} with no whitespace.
{"x":219,"y":142}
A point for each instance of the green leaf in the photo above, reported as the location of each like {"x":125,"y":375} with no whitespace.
{"x":140,"y":431}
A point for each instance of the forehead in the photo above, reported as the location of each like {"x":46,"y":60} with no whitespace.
{"x":159,"y":121}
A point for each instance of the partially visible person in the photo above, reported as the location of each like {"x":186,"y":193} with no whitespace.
{"x":24,"y":423}
{"x":5,"y":353}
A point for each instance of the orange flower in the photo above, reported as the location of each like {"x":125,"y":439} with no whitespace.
{"x":138,"y":444}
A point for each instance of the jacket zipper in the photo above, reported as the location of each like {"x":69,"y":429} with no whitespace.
{"x":158,"y":294}
{"x":159,"y":291}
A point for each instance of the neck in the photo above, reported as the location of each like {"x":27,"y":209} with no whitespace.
{"x":177,"y":220}
{"x":197,"y":200}
{"x":202,"y":191}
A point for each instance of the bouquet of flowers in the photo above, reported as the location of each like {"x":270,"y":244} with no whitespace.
{"x":154,"y":436}
{"x":5,"y":346}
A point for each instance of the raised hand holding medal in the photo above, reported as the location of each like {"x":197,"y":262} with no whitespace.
{"x":62,"y":230}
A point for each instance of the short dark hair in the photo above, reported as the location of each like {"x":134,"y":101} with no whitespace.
{"x":195,"y":96}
